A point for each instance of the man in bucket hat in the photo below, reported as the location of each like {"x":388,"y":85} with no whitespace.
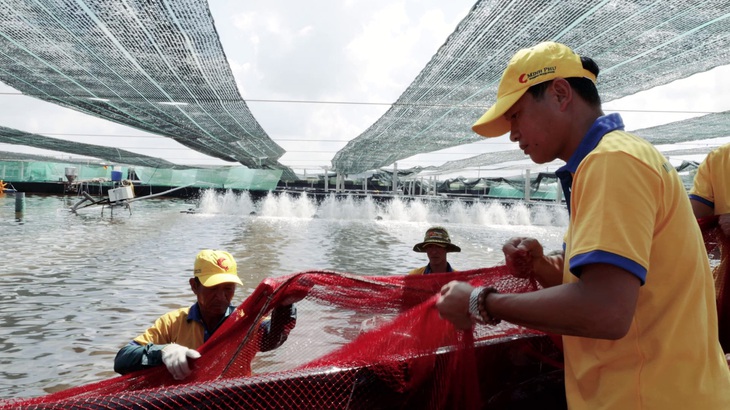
{"x":632,"y":293}
{"x":173,"y":338}
{"x":436,"y":244}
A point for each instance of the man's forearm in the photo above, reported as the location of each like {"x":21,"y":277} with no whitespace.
{"x":133,"y":357}
{"x":277,"y":328}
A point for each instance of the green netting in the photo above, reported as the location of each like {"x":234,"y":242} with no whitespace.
{"x":221,"y":177}
{"x":25,"y":171}
{"x":637,"y":44}
{"x":224,"y":177}
{"x":506,"y":191}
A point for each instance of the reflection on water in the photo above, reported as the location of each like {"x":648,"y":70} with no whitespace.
{"x":76,"y":288}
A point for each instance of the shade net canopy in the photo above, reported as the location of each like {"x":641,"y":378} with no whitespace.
{"x":153,"y":65}
{"x":638,"y":45}
{"x":705,"y":127}
{"x":693,"y":129}
{"x":110,"y":154}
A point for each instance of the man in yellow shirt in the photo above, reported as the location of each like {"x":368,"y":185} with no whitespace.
{"x":173,"y":338}
{"x":436,"y":244}
{"x":632,"y":292}
{"x":710,"y":193}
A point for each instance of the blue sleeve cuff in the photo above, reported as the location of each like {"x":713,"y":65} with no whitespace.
{"x":626,"y":264}
{"x":702,"y":200}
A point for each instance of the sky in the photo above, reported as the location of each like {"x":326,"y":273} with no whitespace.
{"x":316,"y":74}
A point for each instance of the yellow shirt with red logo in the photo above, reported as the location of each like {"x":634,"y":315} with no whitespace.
{"x":629,"y":208}
{"x":712,"y":181}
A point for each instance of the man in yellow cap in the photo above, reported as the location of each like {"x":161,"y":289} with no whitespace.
{"x":632,"y":293}
{"x":173,"y":338}
{"x":436,"y":244}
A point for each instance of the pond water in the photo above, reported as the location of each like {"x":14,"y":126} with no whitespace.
{"x":74,"y":288}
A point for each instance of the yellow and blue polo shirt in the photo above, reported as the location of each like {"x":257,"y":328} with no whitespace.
{"x":183,"y":326}
{"x":425,"y":270}
{"x":712,"y":181}
{"x":629,"y":208}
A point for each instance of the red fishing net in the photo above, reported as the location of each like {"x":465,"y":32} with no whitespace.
{"x":718,"y":249}
{"x":359,"y":342}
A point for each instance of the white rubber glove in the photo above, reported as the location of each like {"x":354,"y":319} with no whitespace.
{"x":176,"y":357}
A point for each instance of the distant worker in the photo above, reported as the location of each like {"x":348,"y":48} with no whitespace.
{"x":436,"y":244}
{"x":710,"y":194}
{"x":173,"y":338}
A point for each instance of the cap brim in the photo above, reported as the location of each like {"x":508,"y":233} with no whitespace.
{"x":450,"y":247}
{"x":218,"y":278}
{"x":493,"y":123}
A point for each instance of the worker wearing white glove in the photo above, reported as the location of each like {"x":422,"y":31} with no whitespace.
{"x":176,"y":358}
{"x":174,"y":336}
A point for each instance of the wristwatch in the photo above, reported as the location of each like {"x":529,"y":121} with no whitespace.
{"x":474,"y":304}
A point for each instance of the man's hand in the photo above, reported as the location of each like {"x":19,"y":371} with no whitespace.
{"x":176,"y":358}
{"x":453,"y":304}
{"x":526,"y":259}
{"x":521,"y":255}
{"x":297,"y":290}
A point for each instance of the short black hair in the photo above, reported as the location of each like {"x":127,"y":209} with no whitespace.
{"x":585,"y":88}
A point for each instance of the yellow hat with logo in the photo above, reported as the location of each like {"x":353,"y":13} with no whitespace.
{"x":529,"y":66}
{"x":214,"y":267}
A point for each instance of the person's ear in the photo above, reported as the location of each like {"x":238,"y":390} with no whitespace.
{"x":562,"y":92}
{"x":194,"y":285}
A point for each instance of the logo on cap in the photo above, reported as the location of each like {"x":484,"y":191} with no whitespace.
{"x":533,"y":75}
{"x":223,"y":263}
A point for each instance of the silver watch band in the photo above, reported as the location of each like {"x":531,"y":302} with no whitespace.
{"x":474,"y":304}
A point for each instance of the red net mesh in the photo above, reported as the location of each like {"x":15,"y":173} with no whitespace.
{"x":718,"y":249}
{"x":359,"y":342}
{"x":362,"y":342}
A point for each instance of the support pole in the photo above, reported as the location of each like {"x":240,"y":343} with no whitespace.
{"x":326,"y":179}
{"x":395,"y":178}
{"x":19,"y":205}
{"x":527,"y":185}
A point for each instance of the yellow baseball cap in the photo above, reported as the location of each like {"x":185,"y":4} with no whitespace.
{"x":529,"y":66}
{"x":215,"y":267}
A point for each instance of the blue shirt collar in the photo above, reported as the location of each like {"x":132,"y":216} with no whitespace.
{"x":428,"y":268}
{"x":194,"y":314}
{"x":602,"y":126}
